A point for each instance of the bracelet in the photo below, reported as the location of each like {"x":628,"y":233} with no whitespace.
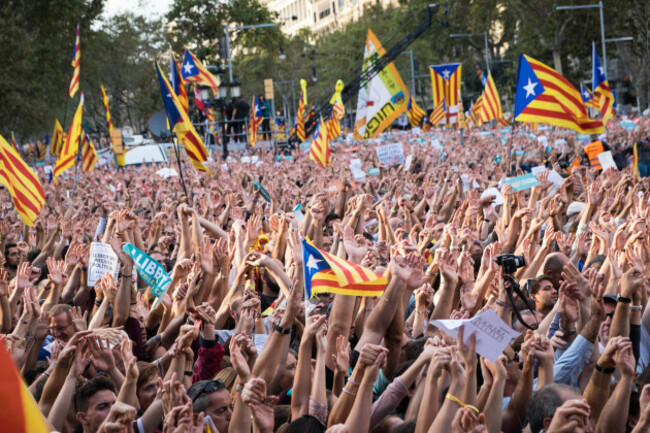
{"x":420,"y":312}
{"x":353,"y":394}
{"x":83,"y":269}
{"x":283,"y":331}
{"x":98,"y":302}
{"x":636,"y":307}
{"x":608,"y":370}
{"x":460,"y":403}
{"x":239,"y":387}
{"x":353,"y":382}
{"x":503,"y":304}
{"x":45,"y":373}
{"x":454,"y":249}
{"x":189,"y":373}
{"x":567,"y":332}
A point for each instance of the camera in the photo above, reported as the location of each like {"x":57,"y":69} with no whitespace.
{"x":510,"y":262}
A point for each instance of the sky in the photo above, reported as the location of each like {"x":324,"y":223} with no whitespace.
{"x":138,"y":7}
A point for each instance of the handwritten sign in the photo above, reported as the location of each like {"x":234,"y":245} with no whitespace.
{"x":102,"y":259}
{"x":391,"y":154}
{"x":521,"y":183}
{"x":357,"y":172}
{"x":492,"y":333}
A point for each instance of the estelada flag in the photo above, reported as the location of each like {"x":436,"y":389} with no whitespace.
{"x":326,"y":273}
{"x":545,"y":96}
{"x":76,"y":66}
{"x":176,"y":80}
{"x":320,"y":146}
{"x":18,"y":412}
{"x":194,"y":72}
{"x":22,"y":183}
{"x":88,"y":153}
{"x":257,"y":115}
{"x":180,"y":123}
{"x":600,"y":88}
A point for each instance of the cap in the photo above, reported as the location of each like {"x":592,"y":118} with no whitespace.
{"x":611,"y":299}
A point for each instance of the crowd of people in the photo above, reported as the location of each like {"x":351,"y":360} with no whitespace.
{"x":234,"y":346}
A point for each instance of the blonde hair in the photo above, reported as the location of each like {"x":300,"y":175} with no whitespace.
{"x":227,"y":376}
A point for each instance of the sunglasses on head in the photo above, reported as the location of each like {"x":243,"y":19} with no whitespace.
{"x":209,"y":388}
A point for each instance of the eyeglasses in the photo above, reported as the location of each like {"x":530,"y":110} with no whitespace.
{"x":610,"y":315}
{"x":59,"y":328}
{"x":209,"y":388}
{"x":514,"y":359}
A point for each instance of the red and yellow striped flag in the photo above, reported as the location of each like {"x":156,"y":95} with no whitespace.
{"x":108,"y":113}
{"x":333,"y":127}
{"x":545,"y":96}
{"x":76,"y":66}
{"x":300,"y":112}
{"x":320,"y":147}
{"x":69,"y":150}
{"x":57,"y":138}
{"x":491,"y":104}
{"x":414,"y":112}
{"x":327,"y":273}
{"x":438,"y":114}
{"x":19,"y":412}
{"x":88,"y":153}
{"x":24,"y":187}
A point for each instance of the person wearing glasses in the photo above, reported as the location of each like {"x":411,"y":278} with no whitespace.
{"x":213,"y":399}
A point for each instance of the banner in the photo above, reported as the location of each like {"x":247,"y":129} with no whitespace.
{"x":102,"y":259}
{"x":152,"y":272}
{"x":391,"y":154}
{"x":383,"y":98}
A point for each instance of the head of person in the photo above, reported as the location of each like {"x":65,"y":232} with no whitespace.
{"x":12,"y":255}
{"x":147,"y":384}
{"x":543,"y":293}
{"x":92,"y":402}
{"x":306,"y":424}
{"x":544,"y":403}
{"x":61,"y":327}
{"x":235,"y":309}
{"x":553,"y":267}
{"x":213,"y":399}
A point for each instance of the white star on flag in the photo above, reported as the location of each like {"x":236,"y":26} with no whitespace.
{"x":530,"y":88}
{"x":600,"y":70}
{"x":586,"y":95}
{"x":188,"y":67}
{"x":312,"y":263}
{"x":445,"y":74}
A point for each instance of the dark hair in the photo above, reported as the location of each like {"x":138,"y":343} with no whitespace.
{"x":596,"y":262}
{"x":199,"y":392}
{"x":9,"y":245}
{"x":90,"y":388}
{"x":306,"y":424}
{"x":281,"y":414}
{"x":536,"y":282}
{"x":413,"y":348}
{"x":544,"y":403}
{"x":34,"y":253}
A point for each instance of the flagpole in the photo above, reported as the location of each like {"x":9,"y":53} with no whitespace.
{"x":180,"y":169}
{"x":512,"y":136}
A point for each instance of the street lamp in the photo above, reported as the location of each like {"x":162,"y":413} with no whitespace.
{"x":602,"y":24}
{"x":469,"y":35}
{"x":623,"y":39}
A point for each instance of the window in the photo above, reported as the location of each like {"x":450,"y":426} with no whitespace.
{"x":333,"y":8}
{"x":324,"y":13}
{"x":341,"y":5}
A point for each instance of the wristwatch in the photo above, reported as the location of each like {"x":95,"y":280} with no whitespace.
{"x":624,"y":300}
{"x":284,"y":331}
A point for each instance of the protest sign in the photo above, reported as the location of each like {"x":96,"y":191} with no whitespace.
{"x":263,"y":191}
{"x":521,"y":183}
{"x":606,"y":160}
{"x":492,"y":333}
{"x":152,"y":272}
{"x":436,"y":144}
{"x":553,"y":176}
{"x":391,"y":154}
{"x":357,"y":172}
{"x":373,"y":171}
{"x":102,"y":259}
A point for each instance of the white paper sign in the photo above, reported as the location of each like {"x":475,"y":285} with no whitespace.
{"x":553,"y":176}
{"x":357,"y":172}
{"x":496,"y":193}
{"x":606,"y":160}
{"x":492,"y":333}
{"x":391,"y":154}
{"x":409,"y":161}
{"x":436,"y":144}
{"x":102,"y":259}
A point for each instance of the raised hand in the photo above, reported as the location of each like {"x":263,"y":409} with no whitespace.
{"x":102,"y":355}
{"x":409,"y":269}
{"x":79,"y":319}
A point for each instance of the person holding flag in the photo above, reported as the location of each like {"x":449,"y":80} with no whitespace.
{"x":71,"y":146}
{"x":257,"y":115}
